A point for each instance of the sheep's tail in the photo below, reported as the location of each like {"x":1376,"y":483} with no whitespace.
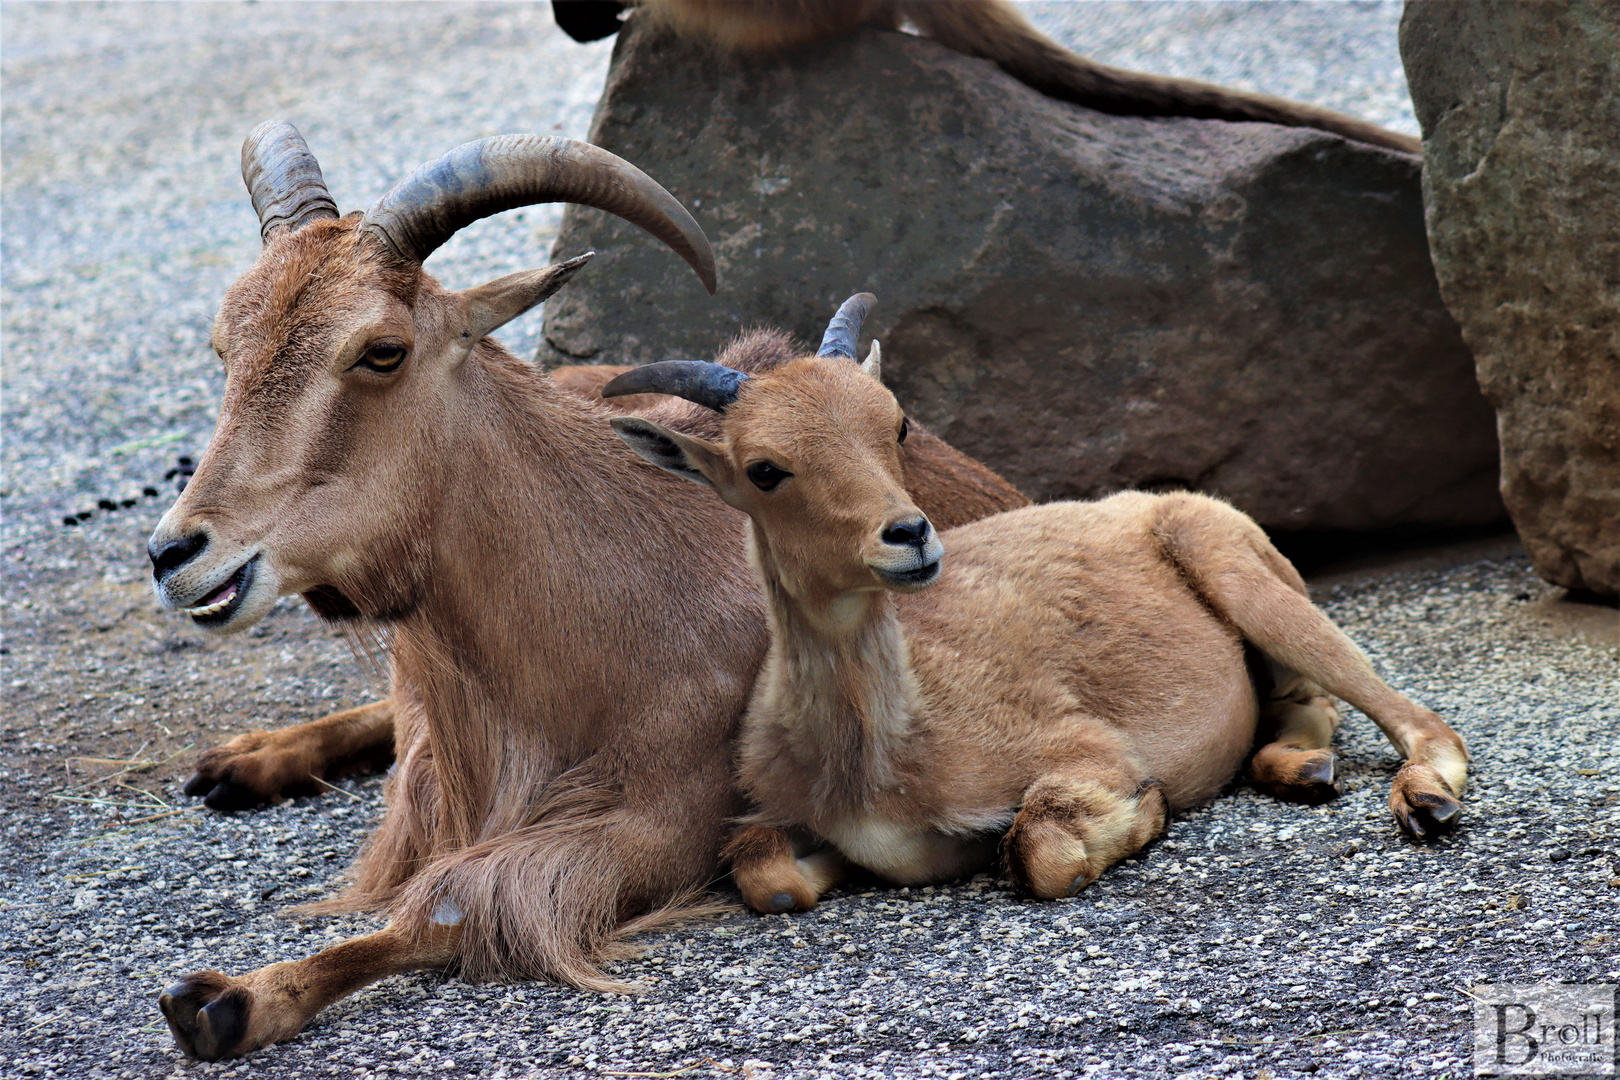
{"x":996,"y":31}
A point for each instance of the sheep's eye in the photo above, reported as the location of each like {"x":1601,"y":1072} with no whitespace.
{"x":766,"y":476}
{"x":905,"y":426}
{"x":384,"y":356}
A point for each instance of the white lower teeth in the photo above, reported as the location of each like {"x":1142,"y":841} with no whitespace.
{"x":210,"y":609}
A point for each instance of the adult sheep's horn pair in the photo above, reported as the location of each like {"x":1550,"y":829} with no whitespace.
{"x":716,"y":386}
{"x":472,"y":181}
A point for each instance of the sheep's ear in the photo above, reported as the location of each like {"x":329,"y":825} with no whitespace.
{"x":694,"y":459}
{"x":491,"y":306}
{"x":873,"y":364}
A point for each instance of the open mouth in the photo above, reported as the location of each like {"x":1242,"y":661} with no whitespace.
{"x":218,"y":606}
{"x":922,"y":575}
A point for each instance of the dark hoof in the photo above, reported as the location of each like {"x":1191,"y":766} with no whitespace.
{"x":782,"y":902}
{"x":228,"y":795}
{"x":220,"y":792}
{"x":1314,"y":782}
{"x":1427,"y":816}
{"x":1318,"y":782}
{"x":207,"y":1020}
{"x":1079,"y":883}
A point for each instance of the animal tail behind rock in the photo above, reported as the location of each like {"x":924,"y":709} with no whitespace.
{"x":997,"y":31}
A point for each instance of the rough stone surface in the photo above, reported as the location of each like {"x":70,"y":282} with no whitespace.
{"x":1520,"y":107}
{"x":1085,"y":302}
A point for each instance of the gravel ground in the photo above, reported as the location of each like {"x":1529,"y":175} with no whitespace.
{"x":1257,"y":939}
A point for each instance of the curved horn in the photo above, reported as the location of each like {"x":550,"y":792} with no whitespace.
{"x":839,"y":340}
{"x":714,"y":386}
{"x":284,"y":179}
{"x":487,"y":176}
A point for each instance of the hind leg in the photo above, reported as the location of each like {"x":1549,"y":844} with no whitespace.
{"x":1226,"y":559}
{"x":1295,"y":760}
{"x":772,"y":879}
{"x":1425,"y":799}
{"x":1076,"y":823}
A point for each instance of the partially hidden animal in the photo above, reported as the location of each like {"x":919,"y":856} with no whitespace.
{"x":994,"y":30}
{"x":572,"y":633}
{"x":1053,"y":682}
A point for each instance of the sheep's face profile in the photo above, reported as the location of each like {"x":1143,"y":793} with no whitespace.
{"x":340,"y":365}
{"x":353,"y":379}
{"x":811,"y":452}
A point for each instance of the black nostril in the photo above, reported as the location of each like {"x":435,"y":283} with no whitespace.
{"x":907,"y":532}
{"x":175,"y":554}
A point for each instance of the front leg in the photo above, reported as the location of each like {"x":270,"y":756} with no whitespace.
{"x":1076,"y":823}
{"x":267,"y":766}
{"x":772,"y":879}
{"x":214,"y":1016}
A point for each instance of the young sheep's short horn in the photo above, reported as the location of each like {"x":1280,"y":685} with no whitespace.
{"x":284,"y":179}
{"x":845,"y":328}
{"x":488,"y":176}
{"x":714,"y":386}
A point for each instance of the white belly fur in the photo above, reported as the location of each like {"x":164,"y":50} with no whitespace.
{"x":905,"y":855}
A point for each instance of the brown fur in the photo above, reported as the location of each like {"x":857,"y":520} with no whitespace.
{"x":997,"y":31}
{"x":260,"y":767}
{"x":771,"y":875}
{"x":1075,"y":673}
{"x":574,"y":633}
{"x":294,"y":761}
{"x":955,"y":488}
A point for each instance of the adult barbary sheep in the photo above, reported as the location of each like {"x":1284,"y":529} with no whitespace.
{"x":563,"y":766}
{"x":992,"y":29}
{"x":1074,"y":674}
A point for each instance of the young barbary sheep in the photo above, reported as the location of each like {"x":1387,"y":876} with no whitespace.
{"x":1074,"y":674}
{"x":562,"y":767}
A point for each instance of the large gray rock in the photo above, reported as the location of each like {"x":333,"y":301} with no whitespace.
{"x":1085,"y":302}
{"x":1520,"y":107}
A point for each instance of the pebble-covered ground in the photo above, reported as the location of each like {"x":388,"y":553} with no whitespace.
{"x":1257,"y":939}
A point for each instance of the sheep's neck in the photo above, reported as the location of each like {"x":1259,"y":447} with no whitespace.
{"x":544,"y":564}
{"x":839,"y":682}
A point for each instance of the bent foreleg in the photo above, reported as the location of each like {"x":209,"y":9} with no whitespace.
{"x":1078,"y":821}
{"x":772,"y":879}
{"x":267,"y":766}
{"x":214,"y":1016}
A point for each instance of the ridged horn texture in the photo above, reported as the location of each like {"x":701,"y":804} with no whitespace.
{"x":284,"y":179}
{"x":845,"y":328}
{"x":714,"y":386}
{"x":491,"y":175}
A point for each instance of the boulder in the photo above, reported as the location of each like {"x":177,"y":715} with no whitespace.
{"x":1084,"y":302}
{"x":1520,"y":108}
